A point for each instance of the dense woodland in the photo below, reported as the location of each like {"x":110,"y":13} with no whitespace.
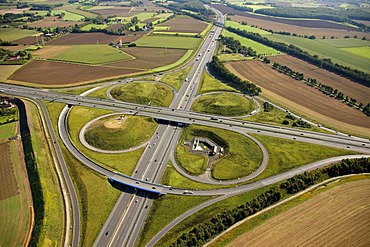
{"x":205,"y":231}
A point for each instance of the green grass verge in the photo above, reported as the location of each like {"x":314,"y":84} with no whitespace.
{"x":206,"y":214}
{"x":144,"y":93}
{"x":163,"y":212}
{"x":51,"y":228}
{"x":241,"y":155}
{"x":97,"y":26}
{"x":96,"y":196}
{"x":177,"y":42}
{"x":263,"y":218}
{"x":161,"y":28}
{"x":92,"y":54}
{"x":226,"y":104}
{"x":211,"y":84}
{"x":360,"y":51}
{"x":259,"y":48}
{"x":234,"y":24}
{"x":176,"y":79}
{"x":112,"y":133}
{"x":285,"y":154}
{"x":11,"y":34}
{"x":226,"y":57}
{"x":314,"y":47}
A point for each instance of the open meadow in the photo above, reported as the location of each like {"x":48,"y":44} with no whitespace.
{"x":301,"y":98}
{"x":338,"y":216}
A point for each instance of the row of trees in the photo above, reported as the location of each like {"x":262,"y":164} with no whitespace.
{"x":236,"y":47}
{"x":217,"y":67}
{"x":296,"y":123}
{"x":328,"y":90}
{"x":205,"y":231}
{"x":326,"y":63}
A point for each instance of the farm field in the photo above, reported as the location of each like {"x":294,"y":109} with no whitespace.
{"x":360,"y":51}
{"x":301,"y":98}
{"x":50,"y":51}
{"x":259,"y":48}
{"x":11,"y":34}
{"x":181,"y":24}
{"x":280,"y":27}
{"x":354,"y":90}
{"x":344,"y":43}
{"x":112,"y":10}
{"x":313,"y":23}
{"x":74,"y":9}
{"x":92,"y":54}
{"x":7,"y":70}
{"x":97,"y":26}
{"x":168,"y":42}
{"x":68,"y":16}
{"x":84,"y":39}
{"x":337,"y":216}
{"x":247,"y":28}
{"x":323,"y":50}
{"x":53,"y":21}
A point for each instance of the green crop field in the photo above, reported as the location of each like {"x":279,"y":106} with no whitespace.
{"x":145,"y":15}
{"x":68,"y":16}
{"x":161,"y":28}
{"x":345,"y":43}
{"x":361,"y":51}
{"x":97,"y":26}
{"x":143,"y":93}
{"x":169,"y":42}
{"x":234,"y":24}
{"x":259,"y":48}
{"x":315,"y":47}
{"x":114,"y":133}
{"x":225,"y":104}
{"x":92,"y":54}
{"x":11,"y":34}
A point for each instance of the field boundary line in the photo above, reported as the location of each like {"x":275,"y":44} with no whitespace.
{"x":30,"y":229}
{"x":278,"y":204}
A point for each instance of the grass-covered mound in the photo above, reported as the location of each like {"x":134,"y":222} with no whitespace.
{"x":227,"y":104}
{"x":115,"y":133}
{"x":143,"y":93}
{"x":241,"y":155}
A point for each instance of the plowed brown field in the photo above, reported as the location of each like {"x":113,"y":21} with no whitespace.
{"x":184,"y":25}
{"x":53,"y":21}
{"x":348,"y":87}
{"x":55,"y":73}
{"x":8,"y":182}
{"x":301,"y":98}
{"x":84,"y":39}
{"x":337,"y":217}
{"x":118,"y":11}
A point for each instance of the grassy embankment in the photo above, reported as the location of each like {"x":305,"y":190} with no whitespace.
{"x":113,"y":133}
{"x":176,"y":79}
{"x":96,"y":195}
{"x":225,"y":104}
{"x":211,"y":84}
{"x":143,"y":93}
{"x":241,"y":155}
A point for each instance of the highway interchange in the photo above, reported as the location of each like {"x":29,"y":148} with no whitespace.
{"x":123,"y":225}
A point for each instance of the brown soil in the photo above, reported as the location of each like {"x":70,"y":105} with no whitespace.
{"x":115,"y":123}
{"x":118,"y":11}
{"x":298,"y":96}
{"x":184,"y":25}
{"x":84,"y":39}
{"x":337,"y":217}
{"x":8,"y":182}
{"x":53,"y":21}
{"x":353,"y":90}
{"x":50,"y":51}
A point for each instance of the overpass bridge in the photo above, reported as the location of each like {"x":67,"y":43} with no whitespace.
{"x":159,"y":189}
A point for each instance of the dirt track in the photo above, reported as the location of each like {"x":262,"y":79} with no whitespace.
{"x":298,"y":96}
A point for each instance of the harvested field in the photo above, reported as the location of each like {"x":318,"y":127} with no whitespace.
{"x":8,"y":182}
{"x":13,"y":10}
{"x":54,"y":73}
{"x":114,"y":10}
{"x":184,"y":25}
{"x":150,"y":57}
{"x":301,"y":98}
{"x":13,"y":47}
{"x":279,"y":27}
{"x":53,"y":21}
{"x":84,"y":38}
{"x":7,"y":70}
{"x":50,"y":51}
{"x":336,"y":217}
{"x":347,"y":87}
{"x":312,"y":23}
{"x":30,"y":40}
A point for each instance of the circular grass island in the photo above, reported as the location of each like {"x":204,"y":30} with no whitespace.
{"x":119,"y":132}
{"x":241,"y":155}
{"x":143,"y":93}
{"x":226,"y":104}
